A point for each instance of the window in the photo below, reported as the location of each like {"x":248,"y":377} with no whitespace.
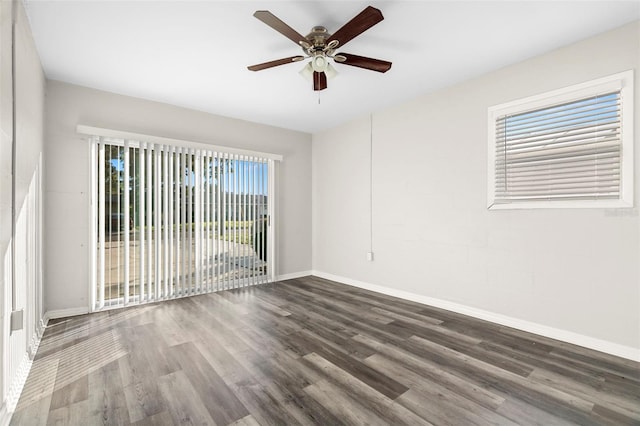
{"x":172,"y":220}
{"x":569,"y":148}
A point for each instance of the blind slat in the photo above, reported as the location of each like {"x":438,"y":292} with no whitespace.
{"x":585,"y":102}
{"x":559,"y":163}
{"x":563,"y":126}
{"x":602,"y":137}
{"x":560,"y":186}
{"x":561,"y":155}
{"x":567,"y":115}
{"x":518,"y":180}
{"x":556,"y":197}
{"x":576,"y":145}
{"x":609,"y":189}
{"x":594,"y":130}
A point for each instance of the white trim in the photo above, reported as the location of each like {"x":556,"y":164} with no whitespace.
{"x":611,"y":348}
{"x":271,"y":222}
{"x":622,"y":81}
{"x":565,"y":204}
{"x":160,"y":140}
{"x":19,"y":380}
{"x":62,"y":313}
{"x":93,"y":219}
{"x":293,"y":275}
{"x":42,"y":325}
{"x":627,"y":125}
{"x":16,"y":386}
{"x":574,"y":92}
{"x":5,"y":415}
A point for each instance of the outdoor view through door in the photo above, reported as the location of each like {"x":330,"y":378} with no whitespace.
{"x":172,"y":221}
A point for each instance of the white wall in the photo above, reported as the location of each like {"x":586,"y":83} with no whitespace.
{"x":67,"y":177}
{"x":18,"y":346}
{"x":571,"y":270}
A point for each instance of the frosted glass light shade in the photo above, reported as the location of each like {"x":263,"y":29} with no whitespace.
{"x":319,"y":63}
{"x":330,"y":71}
{"x":307,"y":72}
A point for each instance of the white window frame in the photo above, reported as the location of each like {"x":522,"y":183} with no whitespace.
{"x":621,"y":81}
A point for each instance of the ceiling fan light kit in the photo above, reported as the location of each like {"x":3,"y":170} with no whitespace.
{"x":307,"y":72}
{"x":320,"y":46}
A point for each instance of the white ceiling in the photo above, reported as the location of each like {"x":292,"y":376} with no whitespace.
{"x":195,"y":53}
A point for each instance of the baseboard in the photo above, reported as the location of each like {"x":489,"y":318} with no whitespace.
{"x":293,"y":275}
{"x":605,"y":346}
{"x":62,"y":313}
{"x":15,"y":388}
{"x":71,"y":312}
{"x":5,"y":416}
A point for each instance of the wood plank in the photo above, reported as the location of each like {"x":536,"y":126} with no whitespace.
{"x":265,"y":406}
{"x":526,"y":414}
{"x":72,"y":414}
{"x":183,"y":402}
{"x":546,"y":363}
{"x":606,"y":415}
{"x":246,"y":421}
{"x":342,"y":405}
{"x":281,"y":383}
{"x":224,"y":364}
{"x":539,"y":395}
{"x":382,"y":383}
{"x":287,"y":385}
{"x":406,"y":316}
{"x":432,"y":372}
{"x":107,"y":403}
{"x":162,"y":418}
{"x":372,"y":400}
{"x":75,"y":391}
{"x":451,"y":408}
{"x":625,"y":406}
{"x":223,"y":406}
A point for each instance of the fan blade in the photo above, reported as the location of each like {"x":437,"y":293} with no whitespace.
{"x":319,"y":81}
{"x":366,"y":63}
{"x":275,"y":63}
{"x":274,"y":22}
{"x":362,"y":22}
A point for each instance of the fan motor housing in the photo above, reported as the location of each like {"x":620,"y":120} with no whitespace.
{"x":318,"y":37}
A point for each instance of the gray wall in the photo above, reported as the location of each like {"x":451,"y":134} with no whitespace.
{"x":573,"y":270}
{"x":67,"y":177}
{"x":26,"y":265}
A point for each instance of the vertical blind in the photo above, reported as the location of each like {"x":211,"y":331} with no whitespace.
{"x":568,"y":151}
{"x":172,"y":221}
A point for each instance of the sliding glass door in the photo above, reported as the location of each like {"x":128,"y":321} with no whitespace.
{"x":173,"y":221}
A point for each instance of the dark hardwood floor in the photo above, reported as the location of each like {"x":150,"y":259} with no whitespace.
{"x":311,"y":351}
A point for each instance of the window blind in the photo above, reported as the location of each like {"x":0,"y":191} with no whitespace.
{"x":567,"y":151}
{"x":173,"y":221}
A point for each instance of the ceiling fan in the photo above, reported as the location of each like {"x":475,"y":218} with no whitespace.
{"x":320,"y":46}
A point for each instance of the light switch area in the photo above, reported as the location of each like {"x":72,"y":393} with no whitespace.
{"x":17,"y":320}
{"x":370,"y":256}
